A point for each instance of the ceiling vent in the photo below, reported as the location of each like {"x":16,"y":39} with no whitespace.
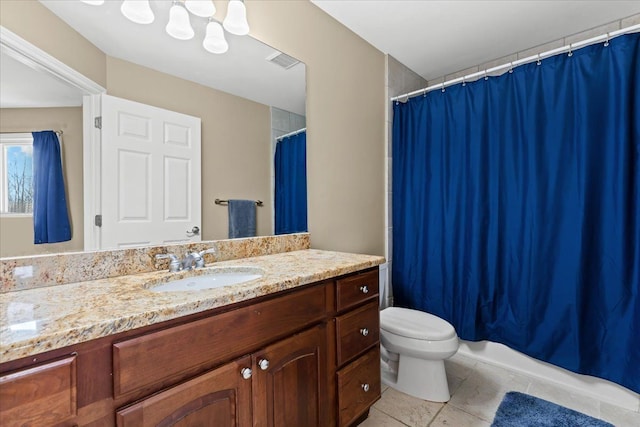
{"x":282,"y":59}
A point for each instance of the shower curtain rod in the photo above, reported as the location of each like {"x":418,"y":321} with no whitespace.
{"x":295,"y":132}
{"x":58,"y":132}
{"x":510,"y":65}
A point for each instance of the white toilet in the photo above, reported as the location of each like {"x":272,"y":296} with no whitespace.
{"x":414,"y":345}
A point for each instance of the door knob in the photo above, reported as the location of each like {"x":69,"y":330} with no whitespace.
{"x":194,"y":231}
{"x":364,"y":332}
{"x":364,"y":289}
{"x":246,"y":373}
{"x":263,"y":364}
{"x":365,"y":387}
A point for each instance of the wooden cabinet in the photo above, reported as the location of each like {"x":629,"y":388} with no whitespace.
{"x":357,"y":346}
{"x":304,"y":357}
{"x":221,"y":397}
{"x":39,"y":396}
{"x":290,"y":381}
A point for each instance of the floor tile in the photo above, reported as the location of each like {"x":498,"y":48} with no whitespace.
{"x":458,"y":368}
{"x":481,"y":393}
{"x":619,"y":417}
{"x":380,"y":419}
{"x":410,"y":410}
{"x":451,"y":416}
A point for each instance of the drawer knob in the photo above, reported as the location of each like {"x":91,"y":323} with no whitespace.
{"x":364,"y":289}
{"x":364,"y":332}
{"x":246,"y":373}
{"x":365,"y":387}
{"x":263,"y":364}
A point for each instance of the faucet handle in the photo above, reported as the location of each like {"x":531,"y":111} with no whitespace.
{"x":200,"y":262}
{"x":174,"y":264}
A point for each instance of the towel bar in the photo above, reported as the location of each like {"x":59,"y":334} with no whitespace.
{"x":226,"y":202}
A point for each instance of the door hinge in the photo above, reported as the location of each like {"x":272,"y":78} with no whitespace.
{"x":98,"y":221}
{"x":97,"y":122}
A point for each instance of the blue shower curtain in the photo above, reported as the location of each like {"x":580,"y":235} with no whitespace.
{"x":50,"y":215}
{"x":291,"y":184}
{"x":516,"y":209}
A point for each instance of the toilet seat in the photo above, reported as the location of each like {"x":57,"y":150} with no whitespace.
{"x":415,"y":324}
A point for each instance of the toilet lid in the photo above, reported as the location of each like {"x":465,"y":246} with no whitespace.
{"x":415,"y":324}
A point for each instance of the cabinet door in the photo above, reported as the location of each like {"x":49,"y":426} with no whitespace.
{"x":218,"y":398}
{"x":290,"y":381}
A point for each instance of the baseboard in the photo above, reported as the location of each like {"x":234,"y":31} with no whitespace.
{"x":503,"y":356}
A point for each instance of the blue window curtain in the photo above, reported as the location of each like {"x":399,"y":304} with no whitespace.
{"x":291,"y":184}
{"x":516,"y":209}
{"x":50,"y":215}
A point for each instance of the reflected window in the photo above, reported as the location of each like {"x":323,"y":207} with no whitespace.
{"x":16,"y":173}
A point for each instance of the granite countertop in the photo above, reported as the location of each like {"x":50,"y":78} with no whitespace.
{"x":37,"y":320}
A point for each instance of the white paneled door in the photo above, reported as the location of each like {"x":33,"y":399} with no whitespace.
{"x":150,"y":176}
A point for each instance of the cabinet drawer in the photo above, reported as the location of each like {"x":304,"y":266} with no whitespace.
{"x":162,"y":358}
{"x":44,"y":395}
{"x":353,"y":290}
{"x":358,"y":386}
{"x":356,"y":331}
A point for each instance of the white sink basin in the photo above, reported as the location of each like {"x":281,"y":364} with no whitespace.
{"x":211,"y":279}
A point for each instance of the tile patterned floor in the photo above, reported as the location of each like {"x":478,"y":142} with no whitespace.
{"x":476,"y":391}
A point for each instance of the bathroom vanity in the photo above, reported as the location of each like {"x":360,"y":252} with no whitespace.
{"x":298,"y":347}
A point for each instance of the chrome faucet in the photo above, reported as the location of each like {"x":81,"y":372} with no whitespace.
{"x":190,"y":261}
{"x":201,"y":254}
{"x":194,"y":259}
{"x":174,"y":263}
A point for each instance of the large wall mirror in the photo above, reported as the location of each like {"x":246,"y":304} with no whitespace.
{"x":245,"y":98}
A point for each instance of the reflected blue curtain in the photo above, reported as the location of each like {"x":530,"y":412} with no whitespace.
{"x":516,"y":209}
{"x":291,"y":184}
{"x":50,"y":215}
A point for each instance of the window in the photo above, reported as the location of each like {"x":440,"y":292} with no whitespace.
{"x":16,"y":174}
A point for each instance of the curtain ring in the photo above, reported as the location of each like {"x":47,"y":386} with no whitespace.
{"x":606,"y":43}
{"x":485,"y":75}
{"x":510,"y":67}
{"x":443,"y":87}
{"x":570,"y":54}
{"x":539,"y":62}
{"x":424,"y":93}
{"x":463,"y":82}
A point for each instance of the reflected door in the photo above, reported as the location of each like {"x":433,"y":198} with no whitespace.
{"x":150,"y":175}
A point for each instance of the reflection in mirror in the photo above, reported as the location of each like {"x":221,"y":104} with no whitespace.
{"x":242,"y":98}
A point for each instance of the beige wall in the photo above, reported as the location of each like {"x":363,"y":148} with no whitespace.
{"x":16,"y":233}
{"x":236,"y":136}
{"x":345,"y":121}
{"x":345,"y":110}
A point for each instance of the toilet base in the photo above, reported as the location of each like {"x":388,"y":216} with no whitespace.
{"x":424,"y":379}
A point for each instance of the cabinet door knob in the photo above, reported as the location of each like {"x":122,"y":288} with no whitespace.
{"x":365,"y":387}
{"x":364,"y":332}
{"x":246,"y":373}
{"x":264,"y":364}
{"x":364,"y":289}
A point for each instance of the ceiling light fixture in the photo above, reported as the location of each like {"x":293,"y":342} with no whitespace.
{"x":137,"y":11}
{"x":202,"y":8}
{"x":214,"y":41}
{"x":236,"y":20}
{"x":179,"y":26}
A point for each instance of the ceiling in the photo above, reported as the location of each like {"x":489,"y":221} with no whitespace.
{"x":436,"y":38}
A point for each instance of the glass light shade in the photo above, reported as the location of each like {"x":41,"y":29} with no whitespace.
{"x":137,"y":11}
{"x":179,"y":26}
{"x":93,"y":2}
{"x":214,"y":41}
{"x":236,"y":20}
{"x":203,"y":8}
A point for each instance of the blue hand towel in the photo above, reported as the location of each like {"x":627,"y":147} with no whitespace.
{"x":242,"y":218}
